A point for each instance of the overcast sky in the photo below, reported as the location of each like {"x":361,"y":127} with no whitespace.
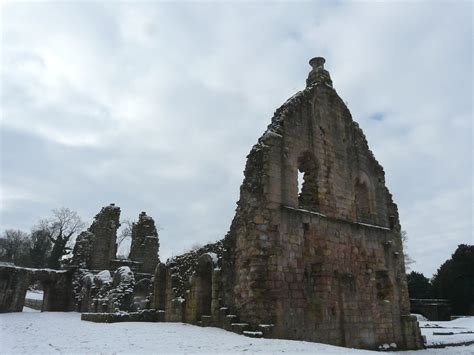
{"x":154,"y":106}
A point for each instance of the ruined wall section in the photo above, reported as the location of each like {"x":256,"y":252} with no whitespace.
{"x":105,"y":291}
{"x":316,"y":124}
{"x":14,"y":283}
{"x":82,"y":252}
{"x":104,"y":246}
{"x":323,"y":262}
{"x":341,"y":279}
{"x":145,"y":243}
{"x":250,"y":232}
{"x":355,"y":236}
{"x":183,"y":266}
{"x":197,"y":286}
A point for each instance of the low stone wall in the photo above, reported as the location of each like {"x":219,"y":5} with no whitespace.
{"x":34,"y":304}
{"x":149,"y":315}
{"x":433,"y":309}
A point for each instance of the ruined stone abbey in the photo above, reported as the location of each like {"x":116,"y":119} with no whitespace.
{"x":321,"y":262}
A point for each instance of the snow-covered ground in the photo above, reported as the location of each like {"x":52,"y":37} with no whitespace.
{"x":56,"y":332}
{"x":453,"y":332}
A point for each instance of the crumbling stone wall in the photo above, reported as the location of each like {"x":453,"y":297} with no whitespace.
{"x":184,"y":266}
{"x":327,"y":264}
{"x":145,"y":244}
{"x":104,"y":227}
{"x":14,"y":283}
{"x":202,"y":295}
{"x":97,"y":247}
{"x":104,"y":291}
{"x":82,"y":252}
{"x":102,"y":283}
{"x":323,"y":262}
{"x":189,"y":286}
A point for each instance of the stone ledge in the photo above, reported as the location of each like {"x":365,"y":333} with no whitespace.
{"x":34,"y":304}
{"x":335,"y":218}
{"x":150,"y":315}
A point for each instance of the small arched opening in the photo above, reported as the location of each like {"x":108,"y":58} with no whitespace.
{"x":204,"y":285}
{"x":34,"y":297}
{"x":363,"y":200}
{"x":308,"y":182}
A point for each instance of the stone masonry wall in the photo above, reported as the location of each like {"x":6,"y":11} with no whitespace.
{"x":323,"y":262}
{"x":14,"y":283}
{"x":319,"y":262}
{"x":104,"y":247}
{"x":343,"y":280}
{"x":82,"y":252}
{"x":145,"y":243}
{"x":96,"y":247}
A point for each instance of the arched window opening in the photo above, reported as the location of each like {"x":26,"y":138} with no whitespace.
{"x":362,"y":200}
{"x":204,"y":286}
{"x":300,"y":181}
{"x":307,"y":182}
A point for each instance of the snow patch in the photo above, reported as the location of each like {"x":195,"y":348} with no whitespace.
{"x":419,"y":317}
{"x":125,"y":273}
{"x":65,"y":333}
{"x":214,"y":257}
{"x":104,"y":276}
{"x":460,"y":330}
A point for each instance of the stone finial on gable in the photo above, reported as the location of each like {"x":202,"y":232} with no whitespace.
{"x":318,"y":75}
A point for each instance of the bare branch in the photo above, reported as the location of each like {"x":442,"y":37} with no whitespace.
{"x":125,"y":232}
{"x":61,"y":228}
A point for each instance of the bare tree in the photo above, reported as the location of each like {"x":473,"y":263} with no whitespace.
{"x":125,"y":232}
{"x":408,"y":260}
{"x":124,"y":238}
{"x":61,"y":229}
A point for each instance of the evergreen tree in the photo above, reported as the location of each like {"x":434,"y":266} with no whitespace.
{"x":419,"y":286}
{"x":454,"y":280}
